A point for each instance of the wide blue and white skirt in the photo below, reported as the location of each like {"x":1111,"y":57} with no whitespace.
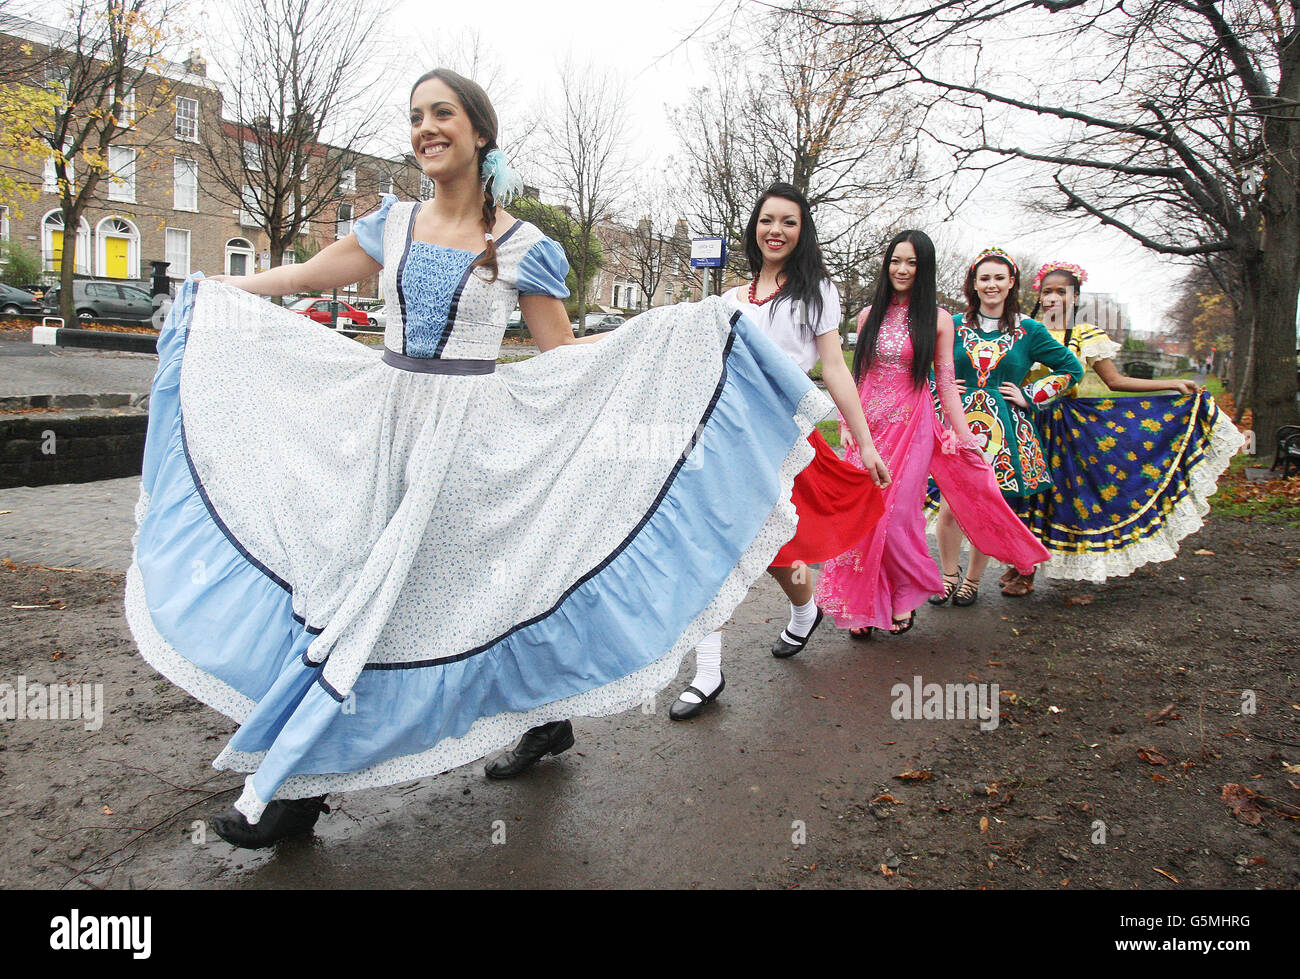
{"x":383,"y":574}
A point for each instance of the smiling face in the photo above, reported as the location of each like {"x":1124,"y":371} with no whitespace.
{"x":442,"y":137}
{"x":902,"y":269}
{"x":1057,"y":296}
{"x":993,"y":282}
{"x":777,"y":230}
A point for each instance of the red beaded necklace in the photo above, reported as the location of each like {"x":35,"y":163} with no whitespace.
{"x":753,"y":287}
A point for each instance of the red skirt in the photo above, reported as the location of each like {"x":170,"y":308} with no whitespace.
{"x":838,"y":504}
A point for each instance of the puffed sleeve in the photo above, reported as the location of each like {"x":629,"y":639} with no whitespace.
{"x":1093,"y":344}
{"x":542,"y":271}
{"x":370,"y":229}
{"x":831,"y":311}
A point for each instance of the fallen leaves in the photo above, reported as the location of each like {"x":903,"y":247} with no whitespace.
{"x":1241,"y":803}
{"x":1165,"y":873}
{"x":1080,"y":599}
{"x":886,"y":797}
{"x":1152,"y":756}
{"x":915,"y":775}
{"x":54,"y":603}
{"x":1203,"y":552}
{"x":984,"y":824}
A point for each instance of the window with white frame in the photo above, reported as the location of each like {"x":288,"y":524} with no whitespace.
{"x":185,"y":185}
{"x":50,"y":182}
{"x":304,"y":228}
{"x":343,"y":226}
{"x":348,"y":182}
{"x":386,"y":185}
{"x":121,"y":174}
{"x":4,"y":222}
{"x":252,"y":156}
{"x":187,"y":119}
{"x":426,"y":187}
{"x":250,"y":212}
{"x":128,"y":109}
{"x":178,"y":253}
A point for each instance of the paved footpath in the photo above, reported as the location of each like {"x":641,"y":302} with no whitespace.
{"x":87,"y":526}
{"x":67,"y":371}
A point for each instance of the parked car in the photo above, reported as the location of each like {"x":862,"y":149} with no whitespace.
{"x":599,"y":323}
{"x":101,"y":299}
{"x":850,"y":340}
{"x":14,"y":302}
{"x":320,"y":309}
{"x":376,"y":310}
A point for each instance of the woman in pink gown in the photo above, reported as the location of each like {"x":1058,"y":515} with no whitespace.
{"x":884,"y":578}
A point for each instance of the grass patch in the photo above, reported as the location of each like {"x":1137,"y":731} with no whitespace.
{"x":816,"y":372}
{"x":830,"y":430}
{"x":1276,"y":501}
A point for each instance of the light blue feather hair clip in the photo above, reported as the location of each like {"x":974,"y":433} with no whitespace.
{"x":506,"y":183}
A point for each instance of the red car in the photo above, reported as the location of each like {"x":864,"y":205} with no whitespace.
{"x":319,"y":308}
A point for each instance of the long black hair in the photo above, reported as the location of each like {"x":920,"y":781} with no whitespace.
{"x":922,"y":309}
{"x":805,"y":269}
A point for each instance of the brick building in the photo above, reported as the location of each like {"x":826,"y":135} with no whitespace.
{"x":160,"y":201}
{"x":635,"y":256}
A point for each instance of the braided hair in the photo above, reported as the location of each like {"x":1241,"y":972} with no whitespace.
{"x":483,"y":118}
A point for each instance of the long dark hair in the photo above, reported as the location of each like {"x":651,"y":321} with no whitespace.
{"x":922,"y":309}
{"x":1010,"y":309}
{"x":805,"y":269}
{"x":1074,"y":313}
{"x":484,"y":120}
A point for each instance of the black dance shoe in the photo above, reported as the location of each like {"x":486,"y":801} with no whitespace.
{"x":548,"y":739}
{"x":281,"y":819}
{"x":683,"y":710}
{"x":787,"y":645}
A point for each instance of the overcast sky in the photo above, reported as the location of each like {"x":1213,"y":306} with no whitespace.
{"x":647,"y":43}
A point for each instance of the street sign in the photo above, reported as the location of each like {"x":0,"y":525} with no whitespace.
{"x":708,"y":253}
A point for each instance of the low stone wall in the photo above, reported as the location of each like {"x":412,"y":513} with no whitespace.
{"x":41,"y":448}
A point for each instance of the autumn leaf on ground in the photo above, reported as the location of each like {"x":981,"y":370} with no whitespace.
{"x":1204,"y":552}
{"x":1168,"y":713}
{"x":1164,"y":873}
{"x":1242,"y":804}
{"x":885,"y":797}
{"x":1080,"y":600}
{"x":984,"y":824}
{"x":108,"y":811}
{"x":915,"y":775}
{"x":1291,"y":769}
{"x":1152,"y":757}
{"x":885,"y":871}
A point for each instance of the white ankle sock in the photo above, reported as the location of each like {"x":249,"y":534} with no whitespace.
{"x":708,"y":667}
{"x":802,"y":618}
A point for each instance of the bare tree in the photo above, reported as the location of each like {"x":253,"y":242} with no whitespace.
{"x":657,"y":242}
{"x":306,"y":106}
{"x":813,"y":105}
{"x":586,"y":151}
{"x":1175,"y":122}
{"x":104,"y":66}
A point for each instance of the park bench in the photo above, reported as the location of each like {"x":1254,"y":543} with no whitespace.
{"x":1288,"y":449}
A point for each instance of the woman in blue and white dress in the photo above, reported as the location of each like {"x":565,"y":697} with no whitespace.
{"x":387,"y":566}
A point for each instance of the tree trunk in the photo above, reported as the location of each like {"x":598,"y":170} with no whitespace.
{"x":1274,"y":351}
{"x":1274,"y":355}
{"x":68,"y":265}
{"x":582,"y":283}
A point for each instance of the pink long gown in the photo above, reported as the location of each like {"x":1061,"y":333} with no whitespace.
{"x":890,"y":571}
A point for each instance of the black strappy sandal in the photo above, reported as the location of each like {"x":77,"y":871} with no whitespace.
{"x":965,"y":594}
{"x":949,"y":587}
{"x":906,"y":624}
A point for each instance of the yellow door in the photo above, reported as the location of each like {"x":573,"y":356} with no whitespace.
{"x":115,"y":258}
{"x":56,"y":249}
